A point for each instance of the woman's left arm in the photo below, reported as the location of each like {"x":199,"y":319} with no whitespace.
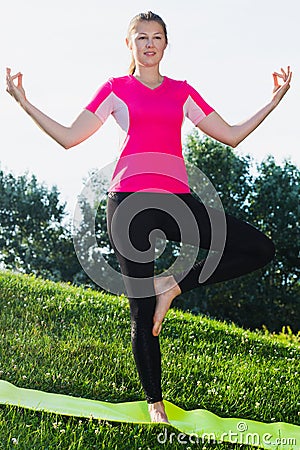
{"x":215,"y":126}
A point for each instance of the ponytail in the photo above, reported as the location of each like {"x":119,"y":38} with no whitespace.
{"x":132,"y":67}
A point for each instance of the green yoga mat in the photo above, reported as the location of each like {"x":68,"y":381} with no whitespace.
{"x":193,"y":426}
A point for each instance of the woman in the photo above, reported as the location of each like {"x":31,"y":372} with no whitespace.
{"x":150,"y":177}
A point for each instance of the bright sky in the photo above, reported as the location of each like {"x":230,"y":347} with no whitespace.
{"x":226,"y":49}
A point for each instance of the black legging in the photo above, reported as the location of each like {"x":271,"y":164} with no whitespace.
{"x":136,"y":222}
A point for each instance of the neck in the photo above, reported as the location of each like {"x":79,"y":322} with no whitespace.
{"x":148,"y":75}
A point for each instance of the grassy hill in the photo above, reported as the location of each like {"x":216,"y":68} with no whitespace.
{"x":62,"y":339}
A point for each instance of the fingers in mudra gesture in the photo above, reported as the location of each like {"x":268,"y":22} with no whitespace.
{"x":281,"y":83}
{"x":15,"y":89}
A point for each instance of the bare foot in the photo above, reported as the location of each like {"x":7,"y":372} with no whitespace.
{"x":157,"y":412}
{"x":166,"y":290}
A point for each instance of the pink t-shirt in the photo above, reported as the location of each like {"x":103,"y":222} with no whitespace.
{"x":151,"y":155}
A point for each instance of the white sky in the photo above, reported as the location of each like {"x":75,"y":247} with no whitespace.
{"x":227,"y":49}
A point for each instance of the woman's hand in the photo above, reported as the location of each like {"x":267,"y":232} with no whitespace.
{"x":215,"y":126}
{"x":84,"y":126}
{"x":15,"y":90}
{"x":280,"y":90}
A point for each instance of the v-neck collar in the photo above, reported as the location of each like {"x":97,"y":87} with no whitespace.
{"x":147,"y":87}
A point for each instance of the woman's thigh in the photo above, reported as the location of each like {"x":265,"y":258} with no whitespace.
{"x":136,"y":220}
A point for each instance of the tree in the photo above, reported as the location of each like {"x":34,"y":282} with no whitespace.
{"x":228,"y":172}
{"x":33,"y":237}
{"x":270,"y":201}
{"x":90,"y":233}
{"x":275,"y":210}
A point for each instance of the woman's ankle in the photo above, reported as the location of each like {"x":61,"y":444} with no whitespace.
{"x":157,"y":412}
{"x":156,"y":405}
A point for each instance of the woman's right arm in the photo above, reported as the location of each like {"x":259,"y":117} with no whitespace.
{"x":83,"y":127}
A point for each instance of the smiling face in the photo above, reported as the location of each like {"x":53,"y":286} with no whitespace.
{"x":147,"y":43}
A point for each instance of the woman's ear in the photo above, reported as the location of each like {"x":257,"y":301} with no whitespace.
{"x":128,"y":43}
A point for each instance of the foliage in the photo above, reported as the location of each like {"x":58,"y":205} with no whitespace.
{"x":90,"y":233}
{"x":228,"y":172}
{"x":275,"y":209}
{"x":33,"y":238}
{"x":75,"y":341}
{"x":269,"y":201}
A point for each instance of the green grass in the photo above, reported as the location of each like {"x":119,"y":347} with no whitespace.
{"x":62,"y":339}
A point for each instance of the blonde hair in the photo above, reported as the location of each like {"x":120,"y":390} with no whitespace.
{"x":148,"y":17}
